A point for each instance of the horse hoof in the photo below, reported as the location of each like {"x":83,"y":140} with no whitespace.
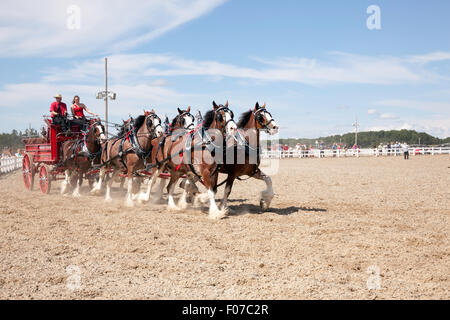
{"x":217,"y":214}
{"x":182,"y":205}
{"x":108,"y":200}
{"x":264,"y":205}
{"x":129,"y":204}
{"x":173,"y":208}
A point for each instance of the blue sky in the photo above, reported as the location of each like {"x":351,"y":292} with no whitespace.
{"x":315,"y":63}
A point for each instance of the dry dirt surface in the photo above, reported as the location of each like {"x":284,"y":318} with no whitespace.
{"x":348,"y":228}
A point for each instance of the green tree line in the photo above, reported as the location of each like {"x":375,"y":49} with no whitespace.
{"x":14,"y":139}
{"x":371,"y":138}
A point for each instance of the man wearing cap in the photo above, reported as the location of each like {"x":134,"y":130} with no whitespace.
{"x":58,"y":110}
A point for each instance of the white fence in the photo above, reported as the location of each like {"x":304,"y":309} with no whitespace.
{"x":326,"y":153}
{"x":9,"y":164}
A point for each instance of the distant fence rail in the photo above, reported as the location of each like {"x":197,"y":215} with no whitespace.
{"x":374,"y":152}
{"x":9,"y":164}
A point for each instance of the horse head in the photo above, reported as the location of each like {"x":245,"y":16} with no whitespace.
{"x":153,"y":123}
{"x":224,"y":118}
{"x":264,"y":120}
{"x":99,"y":131}
{"x":95,"y":133}
{"x":184,"y":120}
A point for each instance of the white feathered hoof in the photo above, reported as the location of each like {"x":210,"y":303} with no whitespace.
{"x":173,"y":208}
{"x":95,"y":191}
{"x":129,"y":203}
{"x":63,"y":187}
{"x":76,"y":194}
{"x":217,"y":214}
{"x":266,"y":199}
{"x":182,"y":204}
{"x":202,"y":198}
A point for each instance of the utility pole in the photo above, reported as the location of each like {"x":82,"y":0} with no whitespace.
{"x":106,"y":95}
{"x":356,"y":125}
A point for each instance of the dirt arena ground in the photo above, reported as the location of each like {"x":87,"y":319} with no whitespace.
{"x":333,"y":225}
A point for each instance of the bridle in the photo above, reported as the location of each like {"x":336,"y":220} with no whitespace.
{"x":92,"y":155}
{"x":153,"y":116}
{"x":225,"y":110}
{"x":86,"y":133}
{"x":183,"y":121}
{"x":257,"y":114}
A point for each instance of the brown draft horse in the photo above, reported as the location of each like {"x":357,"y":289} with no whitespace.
{"x":183,"y":121}
{"x":78,"y":156}
{"x":129,"y":153}
{"x":196,"y":165}
{"x":250,"y":124}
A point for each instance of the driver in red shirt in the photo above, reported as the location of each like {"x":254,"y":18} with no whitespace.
{"x":58,"y":110}
{"x":78,"y":114}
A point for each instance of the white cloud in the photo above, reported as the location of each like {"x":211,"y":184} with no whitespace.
{"x":388,"y":116}
{"x":140,"y":79}
{"x":39,"y":28}
{"x":429,"y":106}
{"x":430,"y":57}
{"x":27,"y":102}
{"x":339,"y":69}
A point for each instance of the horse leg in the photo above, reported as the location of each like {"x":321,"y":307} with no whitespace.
{"x":128,"y":200}
{"x":182,"y":202}
{"x":267,"y":194}
{"x":65,"y":182}
{"x":145,"y":196}
{"x":191,"y":189}
{"x":135,"y":191}
{"x":98,"y":185}
{"x":214,"y":212}
{"x":226,"y":192}
{"x":109,"y":182}
{"x":79,"y":181}
{"x":171,"y":189}
{"x":160,"y":190}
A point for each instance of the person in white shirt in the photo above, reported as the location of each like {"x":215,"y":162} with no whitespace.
{"x":405,"y":148}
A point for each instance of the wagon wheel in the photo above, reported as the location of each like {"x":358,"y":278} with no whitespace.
{"x":44,"y":179}
{"x":28,"y":171}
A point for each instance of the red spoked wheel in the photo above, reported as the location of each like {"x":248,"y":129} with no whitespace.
{"x":44,"y":179}
{"x":28,"y":171}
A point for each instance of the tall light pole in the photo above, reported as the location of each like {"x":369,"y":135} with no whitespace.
{"x":356,"y":125}
{"x":105,"y":95}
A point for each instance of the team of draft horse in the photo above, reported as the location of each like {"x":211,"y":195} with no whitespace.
{"x":147,"y":147}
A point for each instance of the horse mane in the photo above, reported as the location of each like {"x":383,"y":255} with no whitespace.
{"x":121,"y":130}
{"x":208,"y":119}
{"x":138,"y":122}
{"x":244,"y":118}
{"x":174,"y":121}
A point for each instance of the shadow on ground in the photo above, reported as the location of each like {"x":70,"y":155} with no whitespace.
{"x":254,"y":209}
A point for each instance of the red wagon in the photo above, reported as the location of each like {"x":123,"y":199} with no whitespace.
{"x":42,"y":156}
